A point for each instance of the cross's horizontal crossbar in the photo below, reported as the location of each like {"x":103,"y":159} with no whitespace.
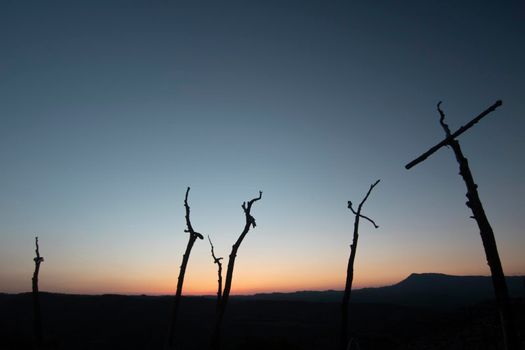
{"x":453,"y":135}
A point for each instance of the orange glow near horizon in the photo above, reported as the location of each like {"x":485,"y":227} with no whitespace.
{"x":197,"y":286}
{"x":287,"y":270}
{"x":243,"y":284}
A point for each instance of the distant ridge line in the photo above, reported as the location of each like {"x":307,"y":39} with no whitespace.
{"x":416,"y":289}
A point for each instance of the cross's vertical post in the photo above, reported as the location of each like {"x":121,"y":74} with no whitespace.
{"x":510,"y":336}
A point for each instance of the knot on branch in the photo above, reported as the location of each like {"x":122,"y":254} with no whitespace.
{"x":251,"y":221}
{"x":195,"y":233}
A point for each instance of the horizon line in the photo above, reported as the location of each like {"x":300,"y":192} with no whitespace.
{"x":207,"y":295}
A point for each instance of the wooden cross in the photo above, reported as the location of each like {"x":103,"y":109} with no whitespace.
{"x":452,"y":136}
{"x":487,"y":235}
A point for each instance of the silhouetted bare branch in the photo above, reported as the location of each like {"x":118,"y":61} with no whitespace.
{"x":358,"y":212}
{"x":37,"y":316}
{"x":185,"y":258}
{"x":189,"y":229}
{"x":344,"y":341}
{"x":247,"y":209}
{"x":219,"y":272}
{"x":250,"y":222}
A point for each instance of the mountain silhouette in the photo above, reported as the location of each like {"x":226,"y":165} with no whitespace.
{"x":418,"y":312}
{"x":418,"y":289}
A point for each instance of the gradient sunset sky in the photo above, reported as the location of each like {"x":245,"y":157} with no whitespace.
{"x":110,"y":109}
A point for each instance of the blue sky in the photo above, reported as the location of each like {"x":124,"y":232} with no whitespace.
{"x":109,"y":109}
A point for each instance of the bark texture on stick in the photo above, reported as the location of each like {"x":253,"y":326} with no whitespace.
{"x":37,"y":316}
{"x":344,"y":338}
{"x":219,"y":272}
{"x":250,"y":222}
{"x":193,"y":235}
{"x":510,"y":336}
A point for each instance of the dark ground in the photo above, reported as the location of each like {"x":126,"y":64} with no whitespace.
{"x":140,"y":322}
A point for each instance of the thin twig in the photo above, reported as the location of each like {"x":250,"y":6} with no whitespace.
{"x":219,"y":271}
{"x":442,"y":119}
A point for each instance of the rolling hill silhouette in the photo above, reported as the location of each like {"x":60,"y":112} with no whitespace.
{"x":418,"y":312}
{"x":418,"y":289}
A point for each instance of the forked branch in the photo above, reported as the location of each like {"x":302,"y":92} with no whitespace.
{"x":250,"y":222}
{"x":344,"y":341}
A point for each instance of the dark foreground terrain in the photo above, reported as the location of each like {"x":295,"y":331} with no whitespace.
{"x":262,"y":322}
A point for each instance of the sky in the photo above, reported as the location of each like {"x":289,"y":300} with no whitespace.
{"x":110,"y":109}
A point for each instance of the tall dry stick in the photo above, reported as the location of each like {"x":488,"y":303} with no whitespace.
{"x":37,"y":316}
{"x":250,"y":222}
{"x":510,"y":336}
{"x":344,"y":339}
{"x":219,"y":272}
{"x":193,"y":235}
